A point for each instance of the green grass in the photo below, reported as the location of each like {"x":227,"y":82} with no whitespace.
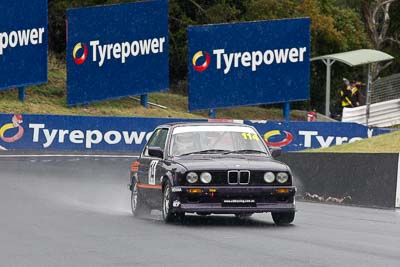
{"x":51,"y":99}
{"x":386,"y":143}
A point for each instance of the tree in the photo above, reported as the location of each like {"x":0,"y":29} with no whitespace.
{"x":183,"y":14}
{"x":57,"y":19}
{"x":377,"y":19}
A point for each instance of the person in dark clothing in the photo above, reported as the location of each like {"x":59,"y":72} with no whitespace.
{"x":349,"y":95}
{"x":346,"y":95}
{"x":355,"y":94}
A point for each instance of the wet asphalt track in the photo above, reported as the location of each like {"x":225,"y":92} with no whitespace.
{"x":74,"y":211}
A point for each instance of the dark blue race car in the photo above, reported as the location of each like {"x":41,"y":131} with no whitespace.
{"x":210,"y":168}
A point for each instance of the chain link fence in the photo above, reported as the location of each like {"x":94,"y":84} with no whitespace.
{"x":387,"y":88}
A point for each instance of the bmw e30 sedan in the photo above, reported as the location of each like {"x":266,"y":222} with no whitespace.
{"x":211,"y":168}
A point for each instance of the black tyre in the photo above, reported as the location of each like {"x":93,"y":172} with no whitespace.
{"x":138,"y":206}
{"x":167,"y":215}
{"x":283,"y":218}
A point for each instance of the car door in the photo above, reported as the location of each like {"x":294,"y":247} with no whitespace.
{"x":151,"y":170}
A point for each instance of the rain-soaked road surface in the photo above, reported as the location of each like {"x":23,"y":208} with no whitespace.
{"x":74,"y":211}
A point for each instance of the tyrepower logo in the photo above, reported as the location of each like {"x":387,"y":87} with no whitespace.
{"x":286,"y":140}
{"x":84,"y":53}
{"x":14,"y":127}
{"x":249,"y":59}
{"x":19,"y":38}
{"x":206,"y":63}
{"x":308,"y":139}
{"x":87,"y":138}
{"x":101,"y":53}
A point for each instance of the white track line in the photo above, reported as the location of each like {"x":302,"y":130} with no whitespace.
{"x":397,"y":205}
{"x":67,"y":155}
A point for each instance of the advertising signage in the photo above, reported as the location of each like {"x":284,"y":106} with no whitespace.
{"x":59,"y":132}
{"x":117,"y":50}
{"x":23,"y":43}
{"x":248,"y":63}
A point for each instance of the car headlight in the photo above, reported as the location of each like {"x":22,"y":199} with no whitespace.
{"x":192,"y":177}
{"x":205,"y":177}
{"x":282,"y":177}
{"x":269,"y":177}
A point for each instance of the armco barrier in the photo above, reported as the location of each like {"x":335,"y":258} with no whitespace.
{"x":56,"y":132}
{"x":371,"y":180}
{"x":382,"y":114}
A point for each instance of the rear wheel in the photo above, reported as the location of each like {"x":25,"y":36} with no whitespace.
{"x":138,"y":206}
{"x":283,"y":218}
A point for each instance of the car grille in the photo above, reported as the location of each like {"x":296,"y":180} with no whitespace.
{"x":238,"y":177}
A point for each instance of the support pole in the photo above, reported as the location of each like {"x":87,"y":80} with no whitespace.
{"x":21,"y":94}
{"x":328,"y":63}
{"x":144,"y":100}
{"x":368,"y":104}
{"x":286,"y":111}
{"x":212,"y":114}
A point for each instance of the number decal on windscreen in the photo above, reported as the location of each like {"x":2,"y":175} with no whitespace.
{"x":250,"y":136}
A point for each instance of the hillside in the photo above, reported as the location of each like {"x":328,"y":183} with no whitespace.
{"x":386,"y":143}
{"x":51,"y":99}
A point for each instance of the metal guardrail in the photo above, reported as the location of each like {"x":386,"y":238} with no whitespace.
{"x":382,"y":114}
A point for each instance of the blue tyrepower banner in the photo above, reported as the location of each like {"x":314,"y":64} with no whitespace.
{"x":248,"y":63}
{"x":56,"y":132}
{"x":294,"y":136}
{"x":117,"y":50}
{"x":23,"y":43}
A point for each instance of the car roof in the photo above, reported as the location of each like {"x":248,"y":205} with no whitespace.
{"x":178,"y":124}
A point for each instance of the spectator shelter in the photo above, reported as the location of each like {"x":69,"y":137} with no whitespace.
{"x":352,"y":58}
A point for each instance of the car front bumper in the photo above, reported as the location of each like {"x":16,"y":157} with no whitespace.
{"x":233,"y":199}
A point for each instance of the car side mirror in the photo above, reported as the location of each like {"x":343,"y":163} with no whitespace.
{"x":276,"y":151}
{"x":155,"y":151}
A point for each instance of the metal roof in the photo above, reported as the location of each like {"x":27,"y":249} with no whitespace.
{"x":357,"y":57}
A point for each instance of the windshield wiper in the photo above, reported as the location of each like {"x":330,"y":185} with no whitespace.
{"x":207,"y":151}
{"x":245,"y":151}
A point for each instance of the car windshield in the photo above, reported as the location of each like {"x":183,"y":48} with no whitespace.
{"x":188,"y":140}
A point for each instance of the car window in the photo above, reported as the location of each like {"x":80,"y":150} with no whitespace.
{"x":229,"y":138}
{"x":157,"y":139}
{"x":218,"y":140}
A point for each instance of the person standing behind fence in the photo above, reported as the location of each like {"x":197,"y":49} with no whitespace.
{"x":355,"y":93}
{"x":345,"y":94}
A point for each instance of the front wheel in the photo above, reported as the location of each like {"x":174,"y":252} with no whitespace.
{"x":283,"y":218}
{"x":167,"y":214}
{"x":139,"y":207}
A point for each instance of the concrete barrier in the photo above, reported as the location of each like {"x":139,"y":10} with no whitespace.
{"x":363,"y":179}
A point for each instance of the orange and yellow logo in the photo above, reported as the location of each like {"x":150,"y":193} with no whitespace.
{"x":284,"y":142}
{"x":80,"y":60}
{"x":16,"y":121}
{"x":206,"y":63}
